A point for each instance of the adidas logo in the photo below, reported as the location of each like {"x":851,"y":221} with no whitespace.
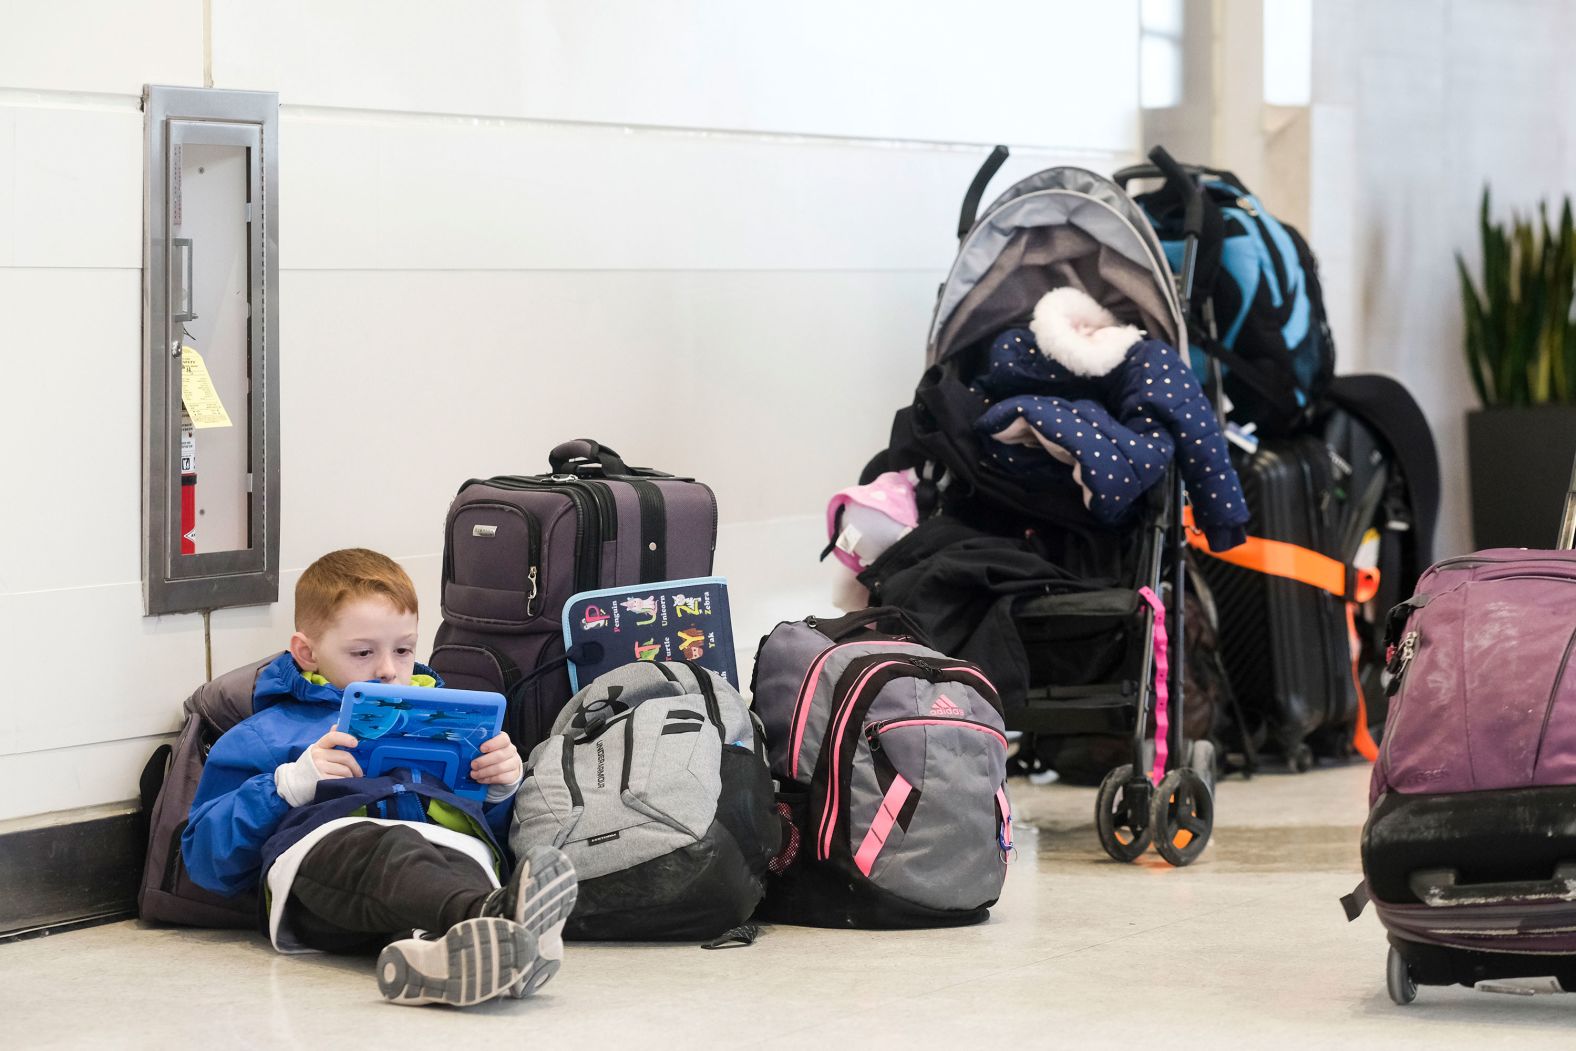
{"x":945,"y":707}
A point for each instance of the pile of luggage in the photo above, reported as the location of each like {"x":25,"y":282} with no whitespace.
{"x":865,"y":787}
{"x":1004,"y":588}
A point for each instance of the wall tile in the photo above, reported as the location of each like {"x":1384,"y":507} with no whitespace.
{"x":71,"y":432}
{"x":70,"y":184}
{"x":91,"y":46}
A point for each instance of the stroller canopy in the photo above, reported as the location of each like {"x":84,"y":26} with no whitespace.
{"x":1059,"y":227}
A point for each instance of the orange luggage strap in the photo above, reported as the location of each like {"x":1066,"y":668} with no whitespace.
{"x":1280,"y":559}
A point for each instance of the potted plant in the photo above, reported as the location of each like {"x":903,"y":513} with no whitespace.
{"x":1521,"y":350}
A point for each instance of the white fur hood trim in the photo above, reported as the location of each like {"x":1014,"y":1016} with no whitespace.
{"x":1071,"y":328}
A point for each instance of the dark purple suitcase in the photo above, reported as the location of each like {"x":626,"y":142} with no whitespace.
{"x":516,"y":547}
{"x":1469,"y":852}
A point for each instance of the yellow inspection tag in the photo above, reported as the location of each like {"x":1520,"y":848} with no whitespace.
{"x":197,"y":392}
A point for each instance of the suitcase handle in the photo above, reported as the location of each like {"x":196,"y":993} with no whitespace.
{"x":585,"y":458}
{"x":1440,"y":888}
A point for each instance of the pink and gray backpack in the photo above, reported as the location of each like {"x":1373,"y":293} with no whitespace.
{"x":891,"y":762}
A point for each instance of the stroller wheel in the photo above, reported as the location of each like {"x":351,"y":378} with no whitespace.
{"x":1124,"y":834}
{"x":1398,"y":979}
{"x":1184,"y":816}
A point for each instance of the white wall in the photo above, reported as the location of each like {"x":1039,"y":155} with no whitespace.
{"x":1444,"y":97}
{"x":707,"y":233}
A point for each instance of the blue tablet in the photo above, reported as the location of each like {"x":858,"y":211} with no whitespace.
{"x":426,"y":729}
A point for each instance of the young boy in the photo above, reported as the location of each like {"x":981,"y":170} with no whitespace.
{"x":347,"y":863}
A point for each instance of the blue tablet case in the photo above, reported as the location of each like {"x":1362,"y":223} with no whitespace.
{"x":667,"y":620}
{"x":427,"y":729}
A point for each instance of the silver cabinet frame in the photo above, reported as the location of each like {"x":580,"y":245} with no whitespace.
{"x":173,"y":582}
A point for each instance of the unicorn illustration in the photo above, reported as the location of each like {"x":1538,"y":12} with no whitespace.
{"x":644,"y":608}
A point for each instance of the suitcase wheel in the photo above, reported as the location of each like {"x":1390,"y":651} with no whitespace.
{"x":1183,"y":816}
{"x":1398,"y":979}
{"x":1301,"y":758}
{"x":1124,"y":833}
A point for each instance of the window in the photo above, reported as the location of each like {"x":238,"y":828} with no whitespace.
{"x":1160,"y":53}
{"x":1288,"y":52}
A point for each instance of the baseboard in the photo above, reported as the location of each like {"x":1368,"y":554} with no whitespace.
{"x":69,"y":870}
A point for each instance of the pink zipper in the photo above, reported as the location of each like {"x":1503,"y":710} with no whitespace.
{"x":801,"y":708}
{"x":828,"y":820}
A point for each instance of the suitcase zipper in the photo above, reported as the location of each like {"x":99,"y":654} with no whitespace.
{"x":588,"y":542}
{"x":533,"y":547}
{"x":607,"y":510}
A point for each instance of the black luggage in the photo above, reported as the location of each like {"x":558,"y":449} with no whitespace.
{"x":1285,"y":642}
{"x":1362,"y":486}
{"x":516,"y":547}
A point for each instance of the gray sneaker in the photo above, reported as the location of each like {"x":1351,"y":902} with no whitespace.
{"x":476,"y":960}
{"x":539,"y":896}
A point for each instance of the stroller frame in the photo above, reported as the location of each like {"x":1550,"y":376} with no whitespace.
{"x":1171,"y":804}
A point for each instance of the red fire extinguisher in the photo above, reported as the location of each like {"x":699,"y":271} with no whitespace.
{"x":188,"y":488}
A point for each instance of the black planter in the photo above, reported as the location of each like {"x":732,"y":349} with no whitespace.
{"x":1520,"y":464}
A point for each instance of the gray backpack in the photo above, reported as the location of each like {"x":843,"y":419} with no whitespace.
{"x":892,"y":763}
{"x":654,"y":782}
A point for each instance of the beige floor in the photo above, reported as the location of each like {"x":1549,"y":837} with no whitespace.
{"x":1248,"y":948}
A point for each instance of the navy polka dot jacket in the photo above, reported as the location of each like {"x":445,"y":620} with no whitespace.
{"x":1113,"y":435}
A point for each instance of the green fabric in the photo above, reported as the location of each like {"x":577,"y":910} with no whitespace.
{"x":452,"y":817}
{"x":415,"y":680}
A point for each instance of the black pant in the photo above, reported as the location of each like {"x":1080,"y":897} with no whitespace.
{"x":364,"y":885}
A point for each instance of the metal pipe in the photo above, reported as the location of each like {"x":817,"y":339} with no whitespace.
{"x":1567,"y":537}
{"x":1176,"y":739}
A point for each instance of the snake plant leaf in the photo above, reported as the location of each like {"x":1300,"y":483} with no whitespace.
{"x":1476,"y":336}
{"x":1519,"y":331}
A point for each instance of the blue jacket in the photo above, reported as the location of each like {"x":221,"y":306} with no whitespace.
{"x":1113,"y":434}
{"x":238,"y":808}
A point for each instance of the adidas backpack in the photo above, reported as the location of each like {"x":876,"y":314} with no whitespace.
{"x":653,"y":782}
{"x":892,"y":763}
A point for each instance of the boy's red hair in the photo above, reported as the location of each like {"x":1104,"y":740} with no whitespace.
{"x":341,"y":576}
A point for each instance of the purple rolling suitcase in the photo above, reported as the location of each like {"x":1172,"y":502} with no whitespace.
{"x":1469,"y":852}
{"x":516,"y":547}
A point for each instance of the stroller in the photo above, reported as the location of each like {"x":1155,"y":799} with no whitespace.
{"x":1096,"y":642}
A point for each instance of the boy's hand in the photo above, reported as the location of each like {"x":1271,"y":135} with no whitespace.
{"x":329,"y":757}
{"x":297,"y":781}
{"x":499,"y":763}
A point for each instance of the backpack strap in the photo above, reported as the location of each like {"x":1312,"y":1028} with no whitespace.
{"x":1277,"y":558}
{"x":1278,"y":391}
